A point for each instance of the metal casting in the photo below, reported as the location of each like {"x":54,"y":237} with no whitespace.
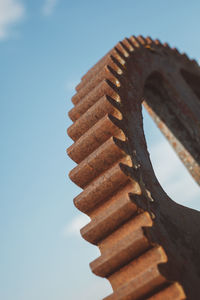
{"x":149,"y":244}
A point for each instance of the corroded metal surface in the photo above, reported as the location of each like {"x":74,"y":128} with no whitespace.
{"x":150,"y":246}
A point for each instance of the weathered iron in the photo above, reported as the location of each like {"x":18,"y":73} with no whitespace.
{"x":150,"y":245}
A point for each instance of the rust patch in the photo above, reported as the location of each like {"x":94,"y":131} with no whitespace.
{"x":150,"y":246}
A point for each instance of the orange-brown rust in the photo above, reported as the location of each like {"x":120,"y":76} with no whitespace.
{"x":150,"y":246}
{"x":93,"y":138}
{"x":103,"y":88}
{"x":92,"y":116}
{"x":174,"y":291}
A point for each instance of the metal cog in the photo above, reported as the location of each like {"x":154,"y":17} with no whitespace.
{"x":150,"y":245}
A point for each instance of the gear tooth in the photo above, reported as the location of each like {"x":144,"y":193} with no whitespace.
{"x":106,"y":60}
{"x":185,"y":57}
{"x":175,"y":50}
{"x":101,"y":189}
{"x":130,"y":45}
{"x":103,"y":88}
{"x":135,"y":42}
{"x":122,"y":49}
{"x":116,"y":75}
{"x":113,"y":213}
{"x":166,"y":45}
{"x":97,"y":163}
{"x":137,"y":276}
{"x":112,"y":61}
{"x":126,"y":43}
{"x":120,"y":193}
{"x":174,"y":291}
{"x":93,"y":83}
{"x":195,"y":63}
{"x":97,"y":111}
{"x":142,"y":40}
{"x":133,"y":45}
{"x":119,"y":56}
{"x":116,"y":62}
{"x":98,"y":65}
{"x":149,"y":40}
{"x":93,"y":138}
{"x":125,"y":46}
{"x":121,"y":246}
{"x":157,"y":42}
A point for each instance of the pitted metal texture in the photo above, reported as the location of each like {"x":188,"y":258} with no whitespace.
{"x":149,"y":244}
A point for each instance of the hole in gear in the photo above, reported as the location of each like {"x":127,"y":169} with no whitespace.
{"x":168,"y":168}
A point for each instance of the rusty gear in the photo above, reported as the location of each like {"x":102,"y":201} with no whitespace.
{"x":150,"y":245}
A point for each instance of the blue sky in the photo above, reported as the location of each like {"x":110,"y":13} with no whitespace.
{"x":45,"y":47}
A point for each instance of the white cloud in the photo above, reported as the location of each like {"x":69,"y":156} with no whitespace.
{"x":173,"y":176}
{"x":74,"y":226}
{"x":49,"y":6}
{"x":11,"y":12}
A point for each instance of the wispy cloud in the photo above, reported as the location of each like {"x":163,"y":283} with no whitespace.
{"x":49,"y":6}
{"x":74,"y":226}
{"x":11,"y":12}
